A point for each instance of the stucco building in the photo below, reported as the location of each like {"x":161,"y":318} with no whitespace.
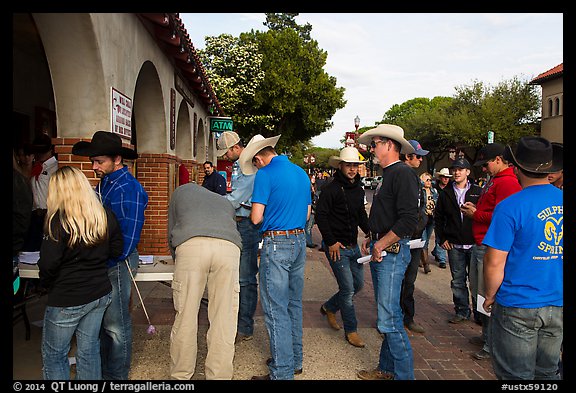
{"x":552,"y":83}
{"x":134,"y":74}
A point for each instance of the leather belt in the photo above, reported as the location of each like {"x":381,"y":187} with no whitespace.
{"x":283,"y":233}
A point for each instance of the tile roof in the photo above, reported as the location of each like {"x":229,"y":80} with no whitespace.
{"x":552,"y":73}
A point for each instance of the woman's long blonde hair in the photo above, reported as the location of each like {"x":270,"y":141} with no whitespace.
{"x":81,"y":213}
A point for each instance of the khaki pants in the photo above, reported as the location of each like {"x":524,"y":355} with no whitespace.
{"x":201,"y":262}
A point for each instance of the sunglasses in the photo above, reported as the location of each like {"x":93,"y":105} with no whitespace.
{"x":418,"y":156}
{"x":373,"y":144}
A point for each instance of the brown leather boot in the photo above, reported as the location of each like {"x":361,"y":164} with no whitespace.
{"x":375,"y":375}
{"x":424,"y":261}
{"x":331,"y":317}
{"x":354,"y":339}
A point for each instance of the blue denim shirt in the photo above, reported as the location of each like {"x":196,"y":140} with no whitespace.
{"x":127,"y":198}
{"x":242,"y":187}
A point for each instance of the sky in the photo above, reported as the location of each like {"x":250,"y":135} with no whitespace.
{"x":383,"y":59}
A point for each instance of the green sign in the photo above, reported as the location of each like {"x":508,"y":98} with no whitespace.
{"x":221,"y":124}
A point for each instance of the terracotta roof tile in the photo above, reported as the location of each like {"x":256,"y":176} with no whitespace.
{"x":552,"y":73}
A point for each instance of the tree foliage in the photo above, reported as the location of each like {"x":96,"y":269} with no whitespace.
{"x":286,"y":21}
{"x":510,"y":109}
{"x":281,"y":89}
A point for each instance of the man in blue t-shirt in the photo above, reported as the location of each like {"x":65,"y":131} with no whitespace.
{"x":281,"y":201}
{"x":523,"y":273}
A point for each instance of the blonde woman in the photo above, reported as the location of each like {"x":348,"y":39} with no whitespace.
{"x":80,"y":235}
{"x":431,"y":197}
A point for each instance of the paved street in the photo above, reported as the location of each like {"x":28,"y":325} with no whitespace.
{"x":441,"y":353}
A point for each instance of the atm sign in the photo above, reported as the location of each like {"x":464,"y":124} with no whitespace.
{"x":221,"y":124}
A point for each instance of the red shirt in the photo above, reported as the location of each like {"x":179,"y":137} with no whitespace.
{"x":499,"y":187}
{"x":183,"y":175}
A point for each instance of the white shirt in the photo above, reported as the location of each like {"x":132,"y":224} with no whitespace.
{"x":40,"y":185}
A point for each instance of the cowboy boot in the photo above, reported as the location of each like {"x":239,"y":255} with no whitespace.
{"x":331,"y":318}
{"x":424,"y":261}
{"x":354,"y":339}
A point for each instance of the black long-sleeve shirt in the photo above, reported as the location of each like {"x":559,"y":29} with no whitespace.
{"x":77,"y":275}
{"x":340,"y":211}
{"x":395,"y":204}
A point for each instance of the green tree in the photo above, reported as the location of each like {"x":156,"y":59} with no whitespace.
{"x":235,"y":72}
{"x":286,"y":21}
{"x":296,"y":92}
{"x":510,"y":109}
{"x":274,"y":82}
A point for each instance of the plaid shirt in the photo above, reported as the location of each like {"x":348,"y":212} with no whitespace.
{"x":127,"y":198}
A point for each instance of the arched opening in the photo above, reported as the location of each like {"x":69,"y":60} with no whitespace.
{"x":149,"y":125}
{"x":33,"y":105}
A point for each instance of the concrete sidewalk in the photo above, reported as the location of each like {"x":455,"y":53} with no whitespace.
{"x":441,"y":353}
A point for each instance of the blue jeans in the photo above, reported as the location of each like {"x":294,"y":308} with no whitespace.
{"x":248,"y":270}
{"x":308,"y":229}
{"x":350,"y":278}
{"x":282,"y":261}
{"x":387,"y":276}
{"x":477,"y":287}
{"x":408,"y":284}
{"x":459,"y":260}
{"x":437,"y":251}
{"x":526,"y":342}
{"x":60,"y":324}
{"x":116,"y":332}
{"x":427,"y":233}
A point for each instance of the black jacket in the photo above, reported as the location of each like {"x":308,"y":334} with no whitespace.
{"x":448,"y":224}
{"x":21,"y":210}
{"x":215,"y":182}
{"x":340,"y":211}
{"x":77,"y":275}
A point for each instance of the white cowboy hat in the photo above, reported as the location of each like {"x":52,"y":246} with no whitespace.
{"x":444,"y":172}
{"x":387,"y":131}
{"x":348,"y":154}
{"x":257,"y":143}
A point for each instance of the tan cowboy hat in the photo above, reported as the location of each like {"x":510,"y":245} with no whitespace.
{"x":348,"y":154}
{"x":257,"y":143}
{"x":387,"y":131}
{"x":444,"y":172}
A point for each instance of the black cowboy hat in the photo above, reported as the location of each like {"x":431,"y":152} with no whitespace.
{"x":104,"y":143}
{"x":535,"y":154}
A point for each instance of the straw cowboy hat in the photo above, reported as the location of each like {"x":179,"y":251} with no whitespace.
{"x":387,"y":131}
{"x":535,"y":154}
{"x":104,"y":143}
{"x":257,"y":143}
{"x":348,"y":154}
{"x":444,"y":172}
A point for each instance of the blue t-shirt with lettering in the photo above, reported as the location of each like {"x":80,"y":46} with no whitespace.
{"x":529,"y":225}
{"x":284,"y":188}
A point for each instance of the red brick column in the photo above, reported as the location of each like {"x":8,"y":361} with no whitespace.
{"x":156,"y":174}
